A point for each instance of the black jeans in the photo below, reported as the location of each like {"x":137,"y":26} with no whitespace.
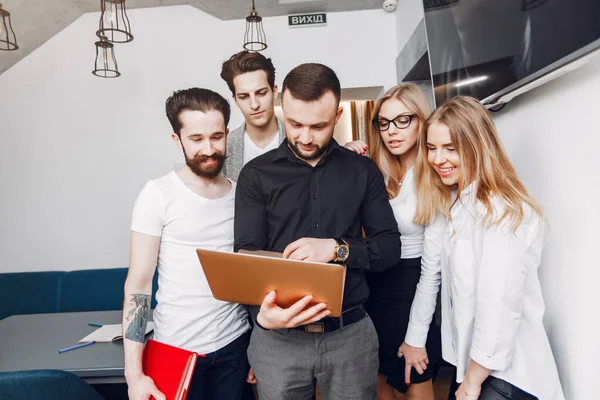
{"x":222,"y":374}
{"x":498,"y":389}
{"x":495,"y":389}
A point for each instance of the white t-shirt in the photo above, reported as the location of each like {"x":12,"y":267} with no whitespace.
{"x":252,"y":151}
{"x":404,"y":207}
{"x":187,"y":315}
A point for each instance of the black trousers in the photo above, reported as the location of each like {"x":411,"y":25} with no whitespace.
{"x":221,"y":375}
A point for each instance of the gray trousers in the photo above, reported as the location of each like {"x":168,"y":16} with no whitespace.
{"x":344,"y":363}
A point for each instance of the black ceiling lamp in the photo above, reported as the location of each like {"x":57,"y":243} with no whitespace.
{"x":105,"y":65}
{"x":114,"y":22}
{"x":8,"y":39}
{"x":255,"y":38}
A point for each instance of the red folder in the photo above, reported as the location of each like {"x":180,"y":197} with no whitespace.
{"x":171,"y":368}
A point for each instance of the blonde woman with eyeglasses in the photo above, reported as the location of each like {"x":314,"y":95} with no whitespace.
{"x":492,"y":305}
{"x":397,"y":119}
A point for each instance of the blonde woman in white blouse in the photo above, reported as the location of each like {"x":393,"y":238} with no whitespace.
{"x":398,"y":118}
{"x":491,"y":249}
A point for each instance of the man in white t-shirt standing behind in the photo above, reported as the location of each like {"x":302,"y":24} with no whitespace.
{"x":173,"y":215}
{"x":251,"y":79}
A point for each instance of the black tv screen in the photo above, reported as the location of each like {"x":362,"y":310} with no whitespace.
{"x":486,"y":48}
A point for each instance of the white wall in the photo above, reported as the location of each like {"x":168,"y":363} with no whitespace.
{"x":408,"y":15}
{"x":75,"y":150}
{"x":552,"y":136}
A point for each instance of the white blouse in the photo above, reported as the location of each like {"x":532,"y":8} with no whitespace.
{"x":404,"y":207}
{"x":492,"y":305}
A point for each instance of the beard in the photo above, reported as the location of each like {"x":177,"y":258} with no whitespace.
{"x":198,"y":164}
{"x":316,"y":151}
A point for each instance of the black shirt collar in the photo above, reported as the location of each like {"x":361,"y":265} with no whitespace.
{"x":284,"y":151}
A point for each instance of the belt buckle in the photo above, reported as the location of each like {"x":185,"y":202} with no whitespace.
{"x":317,"y":327}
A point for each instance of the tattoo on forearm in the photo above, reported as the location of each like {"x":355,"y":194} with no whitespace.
{"x":136,"y":330}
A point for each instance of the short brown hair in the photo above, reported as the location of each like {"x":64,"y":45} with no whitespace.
{"x":309,"y":82}
{"x":243,"y":62}
{"x":195,"y":99}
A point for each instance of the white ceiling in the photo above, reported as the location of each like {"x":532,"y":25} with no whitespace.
{"x":36,"y":21}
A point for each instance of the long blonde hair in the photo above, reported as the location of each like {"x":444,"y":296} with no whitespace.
{"x":482,"y":159}
{"x":389,"y":164}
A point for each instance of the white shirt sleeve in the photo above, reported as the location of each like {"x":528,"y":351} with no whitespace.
{"x":423,"y":306}
{"x":148,"y":211}
{"x":500,"y":289}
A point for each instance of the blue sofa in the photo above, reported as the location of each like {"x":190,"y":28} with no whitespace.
{"x":45,"y":384}
{"x":64,"y":291}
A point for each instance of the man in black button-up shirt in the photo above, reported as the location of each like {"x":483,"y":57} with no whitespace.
{"x":305,"y":199}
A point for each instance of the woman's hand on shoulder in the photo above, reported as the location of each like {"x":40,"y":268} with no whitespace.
{"x":357,"y":146}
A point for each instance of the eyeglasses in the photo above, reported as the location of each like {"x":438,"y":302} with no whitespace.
{"x":401,"y":122}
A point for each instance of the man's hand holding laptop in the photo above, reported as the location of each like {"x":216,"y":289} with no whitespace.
{"x":271,"y":316}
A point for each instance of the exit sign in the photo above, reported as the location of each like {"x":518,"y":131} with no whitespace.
{"x":307,"y":19}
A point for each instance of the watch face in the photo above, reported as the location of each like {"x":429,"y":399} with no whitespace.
{"x":342,"y":253}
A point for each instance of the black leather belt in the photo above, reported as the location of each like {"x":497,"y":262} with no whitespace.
{"x":330,"y":324}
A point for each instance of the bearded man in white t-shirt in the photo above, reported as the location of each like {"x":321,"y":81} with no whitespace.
{"x":172,"y":217}
{"x":251,"y":79}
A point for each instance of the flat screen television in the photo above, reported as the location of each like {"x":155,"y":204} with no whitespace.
{"x":488,"y":48}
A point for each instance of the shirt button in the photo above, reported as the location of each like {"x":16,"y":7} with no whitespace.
{"x":315,"y":196}
{"x":316,"y":225}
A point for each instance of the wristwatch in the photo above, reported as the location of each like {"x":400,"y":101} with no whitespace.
{"x":341,"y":251}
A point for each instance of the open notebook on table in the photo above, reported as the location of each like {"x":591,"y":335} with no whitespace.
{"x":110,"y":333}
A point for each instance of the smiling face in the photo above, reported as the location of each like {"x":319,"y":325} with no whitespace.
{"x":442,"y":154}
{"x":203,"y":141}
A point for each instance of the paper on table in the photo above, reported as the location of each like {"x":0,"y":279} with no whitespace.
{"x":110,"y":333}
